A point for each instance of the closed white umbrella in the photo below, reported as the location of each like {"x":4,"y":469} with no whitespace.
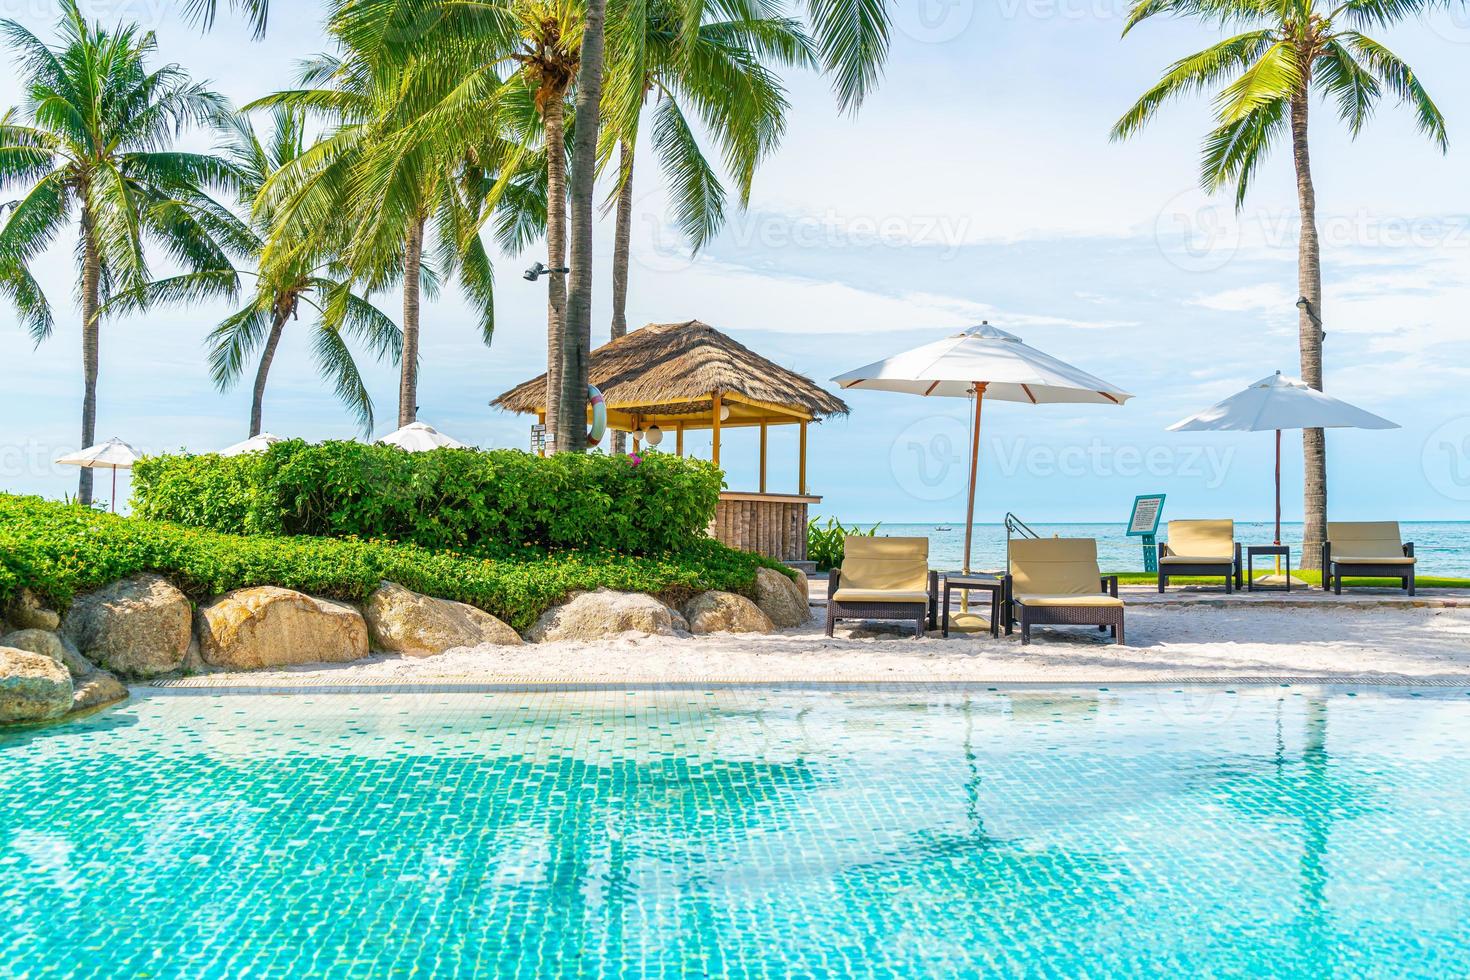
{"x":114,"y":454}
{"x":255,"y":444}
{"x":417,"y":437}
{"x":986,"y":363}
{"x":1277,"y":403}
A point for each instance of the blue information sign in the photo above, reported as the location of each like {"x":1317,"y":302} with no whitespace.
{"x":1144,"y":523}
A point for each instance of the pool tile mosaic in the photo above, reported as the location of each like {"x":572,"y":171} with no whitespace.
{"x":742,"y":833}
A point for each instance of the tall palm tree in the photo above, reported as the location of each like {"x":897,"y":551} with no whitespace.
{"x":413,"y":211}
{"x":312,"y":276}
{"x":93,"y":143}
{"x":719,"y":74}
{"x":1287,"y":51}
{"x":204,"y":11}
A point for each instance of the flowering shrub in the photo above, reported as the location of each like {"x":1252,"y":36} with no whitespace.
{"x":60,"y":550}
{"x":492,"y":504}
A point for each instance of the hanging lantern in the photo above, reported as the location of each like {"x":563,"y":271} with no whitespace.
{"x":653,"y":435}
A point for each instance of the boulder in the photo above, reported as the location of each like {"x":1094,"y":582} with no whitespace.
{"x":33,"y":687}
{"x":52,"y":645}
{"x":138,"y":627}
{"x":726,"y":612}
{"x":27,"y":612}
{"x":781,"y":599}
{"x":595,"y":615}
{"x":403,"y":621}
{"x":96,"y":689}
{"x":272,"y":627}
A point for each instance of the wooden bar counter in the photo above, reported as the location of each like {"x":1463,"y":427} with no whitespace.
{"x":771,"y":524}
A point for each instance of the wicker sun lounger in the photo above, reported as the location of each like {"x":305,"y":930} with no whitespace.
{"x":884,"y":578}
{"x":1056,"y":582}
{"x":1201,"y":548}
{"x":1366,"y":549}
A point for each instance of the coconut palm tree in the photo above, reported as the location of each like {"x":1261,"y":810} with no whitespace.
{"x":312,"y":276}
{"x":414,"y":204}
{"x":204,"y":11}
{"x":719,"y":74}
{"x":1266,"y":76}
{"x":92,"y":144}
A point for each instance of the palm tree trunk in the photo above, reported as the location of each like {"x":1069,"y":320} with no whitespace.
{"x":622,"y":247}
{"x":1309,"y":282}
{"x":278,"y":325}
{"x":553,"y":119}
{"x":579,"y":294}
{"x":91,"y":285}
{"x":408,"y":376}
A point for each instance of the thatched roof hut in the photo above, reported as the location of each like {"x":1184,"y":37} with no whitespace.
{"x":672,"y":374}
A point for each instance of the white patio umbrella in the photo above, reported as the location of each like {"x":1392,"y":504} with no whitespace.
{"x":255,"y":444}
{"x":114,"y":454}
{"x":417,"y":437}
{"x":1277,"y":403}
{"x":986,"y":363}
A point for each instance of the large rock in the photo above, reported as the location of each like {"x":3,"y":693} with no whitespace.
{"x":272,"y":627}
{"x":403,"y":621}
{"x":96,"y":689}
{"x":725,"y":612}
{"x":781,"y":599}
{"x":33,"y":687}
{"x":595,"y":615}
{"x":139,"y":627}
{"x":52,"y":645}
{"x":27,"y":612}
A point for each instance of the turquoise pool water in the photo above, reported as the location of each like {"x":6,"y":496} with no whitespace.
{"x":1272,"y":831}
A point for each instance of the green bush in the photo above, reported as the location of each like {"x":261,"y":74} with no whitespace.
{"x":492,"y":504}
{"x":60,"y":550}
{"x":825,"y":544}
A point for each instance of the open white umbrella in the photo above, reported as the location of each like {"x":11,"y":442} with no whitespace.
{"x":1277,"y":403}
{"x":417,"y":437}
{"x":255,"y":444}
{"x":114,"y":454}
{"x":985,"y":363}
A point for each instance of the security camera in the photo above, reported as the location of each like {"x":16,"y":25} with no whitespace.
{"x":538,"y":270}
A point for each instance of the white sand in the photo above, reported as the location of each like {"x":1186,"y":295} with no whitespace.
{"x":1164,"y":644}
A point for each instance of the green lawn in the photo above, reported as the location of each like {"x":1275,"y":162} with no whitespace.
{"x":1311,"y":577}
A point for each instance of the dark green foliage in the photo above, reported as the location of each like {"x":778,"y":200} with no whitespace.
{"x":60,"y":550}
{"x":492,"y":504}
{"x":824,"y":544}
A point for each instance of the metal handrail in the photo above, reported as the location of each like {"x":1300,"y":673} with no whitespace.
{"x":1014,"y":525}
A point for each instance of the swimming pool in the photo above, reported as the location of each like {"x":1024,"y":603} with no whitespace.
{"x":742,"y":833}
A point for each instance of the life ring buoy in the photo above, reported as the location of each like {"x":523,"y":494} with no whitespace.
{"x":599,"y":415}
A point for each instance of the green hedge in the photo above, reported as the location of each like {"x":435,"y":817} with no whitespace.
{"x":60,"y":550}
{"x":493,"y":504}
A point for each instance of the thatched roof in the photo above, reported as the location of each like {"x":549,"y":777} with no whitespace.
{"x":671,"y":369}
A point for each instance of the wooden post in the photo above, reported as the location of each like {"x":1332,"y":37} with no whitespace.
{"x":716,"y":454}
{"x":679,"y":440}
{"x":541,"y":417}
{"x":763,"y":457}
{"x":801,"y":472}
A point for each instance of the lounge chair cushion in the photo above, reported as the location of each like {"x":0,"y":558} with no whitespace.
{"x":1368,"y":542}
{"x":1196,"y":560}
{"x":1055,"y":567}
{"x":1073,"y":601}
{"x":884,"y":570}
{"x":1202,"y":540}
{"x":879,"y":595}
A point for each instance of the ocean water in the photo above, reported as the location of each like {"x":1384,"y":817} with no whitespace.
{"x":1443,"y":547}
{"x":743,"y":833}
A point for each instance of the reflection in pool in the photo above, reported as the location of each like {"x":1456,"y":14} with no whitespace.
{"x":742,"y":832}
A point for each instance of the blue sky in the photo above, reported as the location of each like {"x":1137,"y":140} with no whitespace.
{"x":978,"y":183}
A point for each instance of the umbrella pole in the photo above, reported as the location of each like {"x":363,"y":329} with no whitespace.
{"x":1278,"y":500}
{"x":112,"y":503}
{"x":970,"y":503}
